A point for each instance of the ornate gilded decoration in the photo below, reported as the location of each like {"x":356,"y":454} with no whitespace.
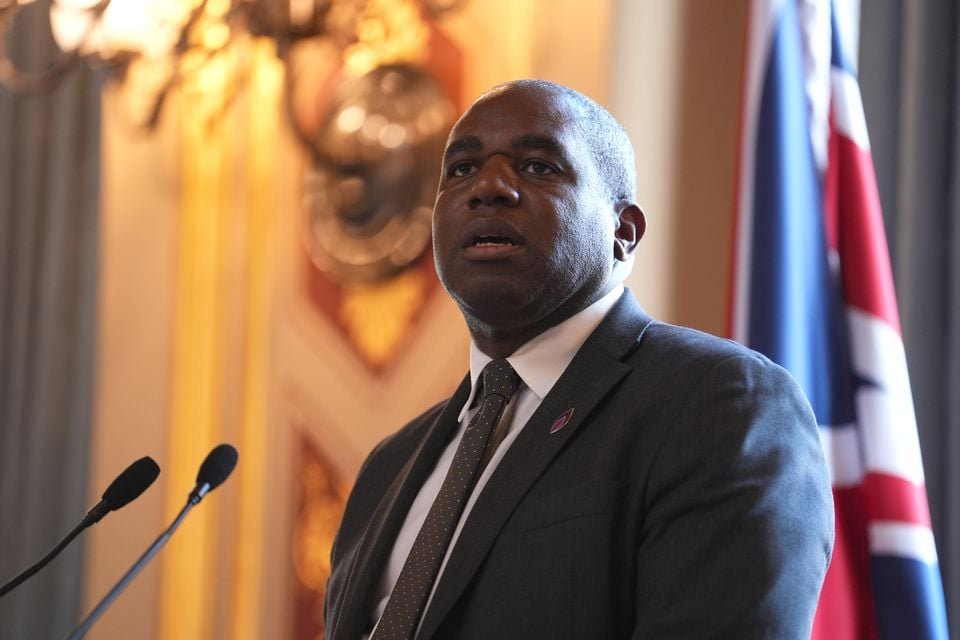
{"x":378,"y":314}
{"x":369,"y":193}
{"x":376,"y":123}
{"x":320,"y":503}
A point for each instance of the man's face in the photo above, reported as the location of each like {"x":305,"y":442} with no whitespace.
{"x":523,"y":226}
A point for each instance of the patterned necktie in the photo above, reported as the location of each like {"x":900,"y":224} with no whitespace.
{"x":405,"y":606}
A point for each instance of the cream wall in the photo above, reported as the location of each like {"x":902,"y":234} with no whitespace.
{"x":642,"y":58}
{"x":645,"y":46}
{"x":675,"y":82}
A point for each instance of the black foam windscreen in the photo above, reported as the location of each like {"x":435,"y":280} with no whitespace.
{"x":131,"y":483}
{"x":217,"y":466}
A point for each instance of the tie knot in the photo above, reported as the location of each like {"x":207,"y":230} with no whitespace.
{"x":499,"y":378}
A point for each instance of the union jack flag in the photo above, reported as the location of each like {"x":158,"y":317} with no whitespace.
{"x":812,"y":288}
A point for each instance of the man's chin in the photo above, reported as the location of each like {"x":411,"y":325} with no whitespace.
{"x":493,"y":303}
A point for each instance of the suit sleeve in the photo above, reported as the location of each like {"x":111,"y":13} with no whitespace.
{"x":738,"y":526}
{"x":349,"y":530}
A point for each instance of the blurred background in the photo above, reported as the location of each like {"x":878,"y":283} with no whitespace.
{"x":214,"y":227}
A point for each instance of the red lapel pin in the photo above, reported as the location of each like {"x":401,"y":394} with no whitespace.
{"x":562,"y":421}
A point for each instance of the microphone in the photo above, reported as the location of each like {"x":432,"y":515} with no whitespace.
{"x":125,"y":488}
{"x":218,"y":464}
{"x":216,"y":467}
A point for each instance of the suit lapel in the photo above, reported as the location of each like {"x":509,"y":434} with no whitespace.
{"x":381,"y":532}
{"x":593,"y":373}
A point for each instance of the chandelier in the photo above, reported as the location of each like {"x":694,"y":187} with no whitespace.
{"x":177,"y":38}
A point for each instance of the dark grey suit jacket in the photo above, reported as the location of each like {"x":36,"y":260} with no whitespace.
{"x":686,"y":498}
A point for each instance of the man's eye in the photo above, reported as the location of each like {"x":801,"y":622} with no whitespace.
{"x":461,"y":169}
{"x":537,"y":167}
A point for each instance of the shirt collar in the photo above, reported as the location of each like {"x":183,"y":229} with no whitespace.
{"x":541,"y":361}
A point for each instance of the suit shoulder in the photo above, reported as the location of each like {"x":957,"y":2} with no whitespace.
{"x":664,"y":340}
{"x":686,"y":357}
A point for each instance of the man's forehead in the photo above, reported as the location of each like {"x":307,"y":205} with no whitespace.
{"x":521,"y":117}
{"x":519,"y":102}
{"x":523,"y":141}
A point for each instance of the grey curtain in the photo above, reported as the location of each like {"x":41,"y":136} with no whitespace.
{"x":49,"y":177}
{"x":910,"y":78}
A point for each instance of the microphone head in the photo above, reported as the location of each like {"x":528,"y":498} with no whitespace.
{"x":131,"y":483}
{"x":217,"y":466}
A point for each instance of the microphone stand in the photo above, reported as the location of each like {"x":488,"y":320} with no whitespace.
{"x":125,"y":488}
{"x":216,"y":467}
{"x":42,"y":562}
{"x":158,"y":544}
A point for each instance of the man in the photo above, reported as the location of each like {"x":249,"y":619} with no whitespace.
{"x":640,"y":480}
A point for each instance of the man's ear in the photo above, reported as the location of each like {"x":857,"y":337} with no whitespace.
{"x":631,"y":224}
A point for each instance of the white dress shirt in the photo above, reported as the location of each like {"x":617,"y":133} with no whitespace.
{"x":539,"y":363}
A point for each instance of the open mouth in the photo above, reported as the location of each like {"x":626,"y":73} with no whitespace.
{"x":492,"y":241}
{"x":490,"y":238}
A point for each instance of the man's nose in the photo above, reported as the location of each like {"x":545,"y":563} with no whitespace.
{"x":495,"y":184}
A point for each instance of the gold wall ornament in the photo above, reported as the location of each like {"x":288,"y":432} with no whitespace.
{"x":378,"y":315}
{"x":369,"y":194}
{"x":321,"y":497}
